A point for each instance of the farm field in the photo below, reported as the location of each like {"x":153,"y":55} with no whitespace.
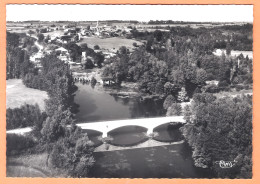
{"x":18,"y":94}
{"x":109,"y":43}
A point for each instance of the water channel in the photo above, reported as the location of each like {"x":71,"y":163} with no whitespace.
{"x":169,"y":161}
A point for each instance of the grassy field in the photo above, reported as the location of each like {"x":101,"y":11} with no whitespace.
{"x":233,"y":93}
{"x":109,"y":43}
{"x":31,"y":166}
{"x":17,"y":94}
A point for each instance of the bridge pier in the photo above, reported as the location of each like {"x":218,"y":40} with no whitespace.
{"x":149,"y":130}
{"x":104,"y":134}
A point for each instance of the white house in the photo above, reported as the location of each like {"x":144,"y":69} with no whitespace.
{"x":62,"y":50}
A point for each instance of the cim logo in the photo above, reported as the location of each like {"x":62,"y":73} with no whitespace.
{"x":226,"y":164}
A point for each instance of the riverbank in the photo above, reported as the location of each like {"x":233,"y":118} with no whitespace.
{"x":147,"y":144}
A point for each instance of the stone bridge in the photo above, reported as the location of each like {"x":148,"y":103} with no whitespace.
{"x":148,"y":123}
{"x":105,"y":126}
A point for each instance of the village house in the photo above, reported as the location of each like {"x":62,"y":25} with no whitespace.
{"x":62,"y":51}
{"x":37,"y":57}
{"x":68,"y":38}
{"x":212,"y":82}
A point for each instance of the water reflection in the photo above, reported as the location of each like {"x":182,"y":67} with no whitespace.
{"x":128,"y":135}
{"x":169,"y":132}
{"x":97,"y":105}
{"x":157,"y":162}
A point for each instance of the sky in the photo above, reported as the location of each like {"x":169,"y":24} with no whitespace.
{"x":203,"y":13}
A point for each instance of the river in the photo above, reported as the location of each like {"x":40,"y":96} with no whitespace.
{"x":95,"y":104}
{"x":168,"y":161}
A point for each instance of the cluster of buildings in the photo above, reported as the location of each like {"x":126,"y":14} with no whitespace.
{"x":74,"y":33}
{"x":64,"y":55}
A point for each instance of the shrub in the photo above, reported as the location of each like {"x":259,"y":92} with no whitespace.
{"x":211,"y":88}
{"x":182,"y":95}
{"x":73,"y":153}
{"x":16,"y":144}
{"x":169,"y":100}
{"x":174,"y":110}
{"x":25,"y":116}
{"x":240,"y":87}
{"x":93,"y":82}
{"x":223,"y":84}
{"x":135,"y":44}
{"x":96,"y":47}
{"x":107,"y":146}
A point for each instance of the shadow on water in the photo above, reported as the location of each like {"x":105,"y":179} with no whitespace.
{"x":171,"y":161}
{"x":94,"y":136}
{"x":156,"y":162}
{"x":169,"y":132}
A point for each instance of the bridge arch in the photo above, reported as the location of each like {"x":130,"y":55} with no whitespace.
{"x":177,"y":124}
{"x":129,"y":126}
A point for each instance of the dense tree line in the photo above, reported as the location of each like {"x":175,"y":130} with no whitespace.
{"x":74,"y":152}
{"x":178,"y":60}
{"x":68,"y":148}
{"x":55,"y":78}
{"x":220,"y":129}
{"x":76,"y":54}
{"x":238,"y":37}
{"x":24,"y":116}
{"x":17,"y":59}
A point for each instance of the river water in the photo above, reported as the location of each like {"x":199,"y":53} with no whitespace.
{"x":98,"y":105}
{"x":170,"y":161}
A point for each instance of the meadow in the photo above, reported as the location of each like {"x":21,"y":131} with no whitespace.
{"x":17,"y":94}
{"x":109,"y":43}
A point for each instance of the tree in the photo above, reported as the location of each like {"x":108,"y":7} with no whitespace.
{"x":16,"y":58}
{"x":174,"y":110}
{"x":228,"y":49}
{"x":24,"y":116}
{"x":84,"y":47}
{"x":135,"y":44}
{"x":55,"y":126}
{"x":99,"y":59}
{"x":169,"y":88}
{"x":93,"y":82}
{"x":177,"y":78}
{"x":158,"y":35}
{"x":30,"y":32}
{"x":74,"y":152}
{"x":169,"y":100}
{"x":159,"y":89}
{"x":40,"y":37}
{"x":221,"y":124}
{"x":123,"y":50}
{"x":89,"y":64}
{"x":47,"y":38}
{"x":59,"y":85}
{"x":75,"y":51}
{"x":96,"y":47}
{"x":182,"y":95}
{"x":201,"y":76}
